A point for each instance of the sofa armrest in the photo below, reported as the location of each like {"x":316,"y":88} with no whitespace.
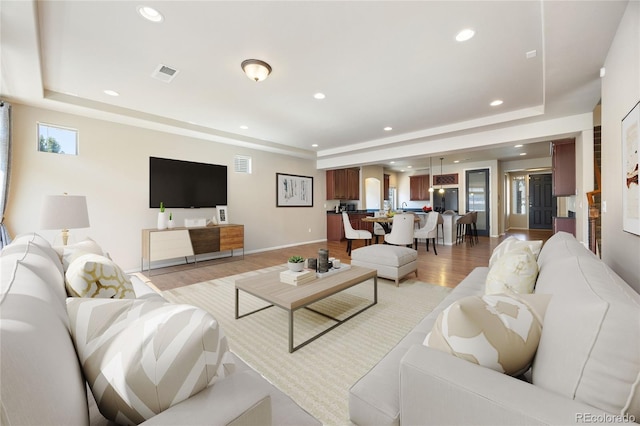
{"x":438,"y":388}
{"x":237,"y":400}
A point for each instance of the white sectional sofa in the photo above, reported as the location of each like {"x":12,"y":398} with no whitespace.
{"x":586,"y":368}
{"x":42,"y":381}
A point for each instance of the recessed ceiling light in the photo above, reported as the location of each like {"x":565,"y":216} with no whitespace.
{"x":392,"y":162}
{"x":523,"y":153}
{"x":465,"y":34}
{"x":315,"y":145}
{"x":244,"y":127}
{"x":112,"y":93}
{"x":408,"y":167}
{"x":388,"y":129}
{"x":518,"y":146}
{"x":319,"y":95}
{"x":150,"y":14}
{"x":456,"y":161}
{"x":496,"y":102}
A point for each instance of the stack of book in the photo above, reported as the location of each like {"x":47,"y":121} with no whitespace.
{"x":297,"y":278}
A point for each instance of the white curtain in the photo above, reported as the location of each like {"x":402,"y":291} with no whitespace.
{"x":5,"y":166}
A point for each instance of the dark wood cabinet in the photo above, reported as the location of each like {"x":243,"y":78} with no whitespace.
{"x":335,"y":226}
{"x":419,"y":188}
{"x":386,"y":187}
{"x":566,"y":224}
{"x":343,"y":184}
{"x":563,"y":163}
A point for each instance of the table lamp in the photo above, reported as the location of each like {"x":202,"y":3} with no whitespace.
{"x":64,"y":212}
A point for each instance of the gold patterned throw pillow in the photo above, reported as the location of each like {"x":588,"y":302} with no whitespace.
{"x":92,"y":275}
{"x":512,"y":243}
{"x":497,"y":331}
{"x":514,"y":272}
{"x":141,"y":357}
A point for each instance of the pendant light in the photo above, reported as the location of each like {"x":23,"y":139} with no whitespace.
{"x":430,"y":176}
{"x":441,"y":190}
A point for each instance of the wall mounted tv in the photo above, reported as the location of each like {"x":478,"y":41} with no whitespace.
{"x":186,"y":184}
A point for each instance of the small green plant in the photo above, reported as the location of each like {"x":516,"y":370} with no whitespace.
{"x":170,"y":215}
{"x":161,"y":207}
{"x":296,"y":259}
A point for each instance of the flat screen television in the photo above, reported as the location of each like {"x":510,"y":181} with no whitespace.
{"x":186,"y":184}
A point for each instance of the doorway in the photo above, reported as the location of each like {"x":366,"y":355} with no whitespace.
{"x":477,"y":195}
{"x":542,"y":204}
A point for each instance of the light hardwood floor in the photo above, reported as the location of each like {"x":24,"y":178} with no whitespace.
{"x":447,"y":269}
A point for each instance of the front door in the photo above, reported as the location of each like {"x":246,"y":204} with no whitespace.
{"x":542,"y":204}
{"x":477,"y":183}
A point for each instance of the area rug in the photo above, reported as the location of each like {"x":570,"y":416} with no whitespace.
{"x":317,"y":376}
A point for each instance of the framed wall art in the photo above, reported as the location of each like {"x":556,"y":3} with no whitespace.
{"x":222,"y":215}
{"x":294,"y":191}
{"x":631,"y":189}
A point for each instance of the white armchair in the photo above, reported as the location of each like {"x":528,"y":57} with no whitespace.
{"x":354,"y":234}
{"x":401,"y":230}
{"x":429,"y":231}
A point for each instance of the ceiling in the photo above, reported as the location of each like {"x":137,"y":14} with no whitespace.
{"x":380,"y":64}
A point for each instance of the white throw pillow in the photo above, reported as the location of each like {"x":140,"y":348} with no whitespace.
{"x":71,"y":252}
{"x":141,"y":357}
{"x":514,"y":272}
{"x":512,"y":243}
{"x":497,"y":331}
{"x":91,"y":275}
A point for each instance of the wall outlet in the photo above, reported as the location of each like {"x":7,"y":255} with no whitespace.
{"x":603,"y":207}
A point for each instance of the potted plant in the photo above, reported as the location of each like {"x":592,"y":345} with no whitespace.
{"x":296,"y":263}
{"x":171,"y":223}
{"x":162,"y":217}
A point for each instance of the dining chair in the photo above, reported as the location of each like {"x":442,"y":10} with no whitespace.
{"x":429,"y":232}
{"x":402,"y":228}
{"x":354,"y":234}
{"x":378,"y":231}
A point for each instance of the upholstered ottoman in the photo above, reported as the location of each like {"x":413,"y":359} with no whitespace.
{"x":392,"y":262}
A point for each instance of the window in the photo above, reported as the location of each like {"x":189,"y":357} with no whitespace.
{"x":519,"y":195}
{"x":58,"y":140}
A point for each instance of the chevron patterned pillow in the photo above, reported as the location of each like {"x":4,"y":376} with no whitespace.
{"x":92,"y":275}
{"x":496,"y":331}
{"x":141,"y":357}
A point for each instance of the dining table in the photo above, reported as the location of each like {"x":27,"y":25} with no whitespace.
{"x":386,"y":221}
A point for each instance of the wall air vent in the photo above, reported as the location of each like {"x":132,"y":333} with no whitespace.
{"x":164,"y":73}
{"x":242,"y":164}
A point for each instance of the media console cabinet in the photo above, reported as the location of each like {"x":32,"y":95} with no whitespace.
{"x":183,"y":242}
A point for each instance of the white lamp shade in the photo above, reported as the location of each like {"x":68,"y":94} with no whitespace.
{"x":64,"y":212}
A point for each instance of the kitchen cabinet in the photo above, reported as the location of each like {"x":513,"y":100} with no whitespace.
{"x":386,"y":187}
{"x":419,"y":188}
{"x":335,"y":227}
{"x":343,"y":184}
{"x":563,"y":167}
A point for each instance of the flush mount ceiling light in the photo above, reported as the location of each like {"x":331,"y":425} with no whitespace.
{"x":497,"y":102}
{"x":150,"y":14}
{"x":388,"y":129}
{"x":465,"y":34}
{"x":111,"y":92}
{"x":256,"y":69}
{"x":319,"y":95}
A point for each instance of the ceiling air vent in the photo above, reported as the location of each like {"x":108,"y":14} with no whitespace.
{"x":242,"y":164}
{"x":164,"y":73}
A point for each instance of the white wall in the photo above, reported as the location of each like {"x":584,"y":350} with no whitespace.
{"x":112,"y":170}
{"x":620,"y":92}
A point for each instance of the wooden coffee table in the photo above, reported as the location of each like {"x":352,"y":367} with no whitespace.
{"x":291,"y":298}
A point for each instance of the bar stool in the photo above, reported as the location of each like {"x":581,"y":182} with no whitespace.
{"x":463,"y":228}
{"x":474,"y":226}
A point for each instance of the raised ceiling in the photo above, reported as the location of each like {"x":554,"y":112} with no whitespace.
{"x":380,"y":64}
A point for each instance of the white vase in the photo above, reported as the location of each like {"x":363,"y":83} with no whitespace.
{"x":171,"y":224}
{"x":162,"y":220}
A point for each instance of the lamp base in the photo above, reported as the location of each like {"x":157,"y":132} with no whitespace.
{"x":65,"y":236}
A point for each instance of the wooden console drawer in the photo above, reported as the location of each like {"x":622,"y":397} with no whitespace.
{"x":231,"y":237}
